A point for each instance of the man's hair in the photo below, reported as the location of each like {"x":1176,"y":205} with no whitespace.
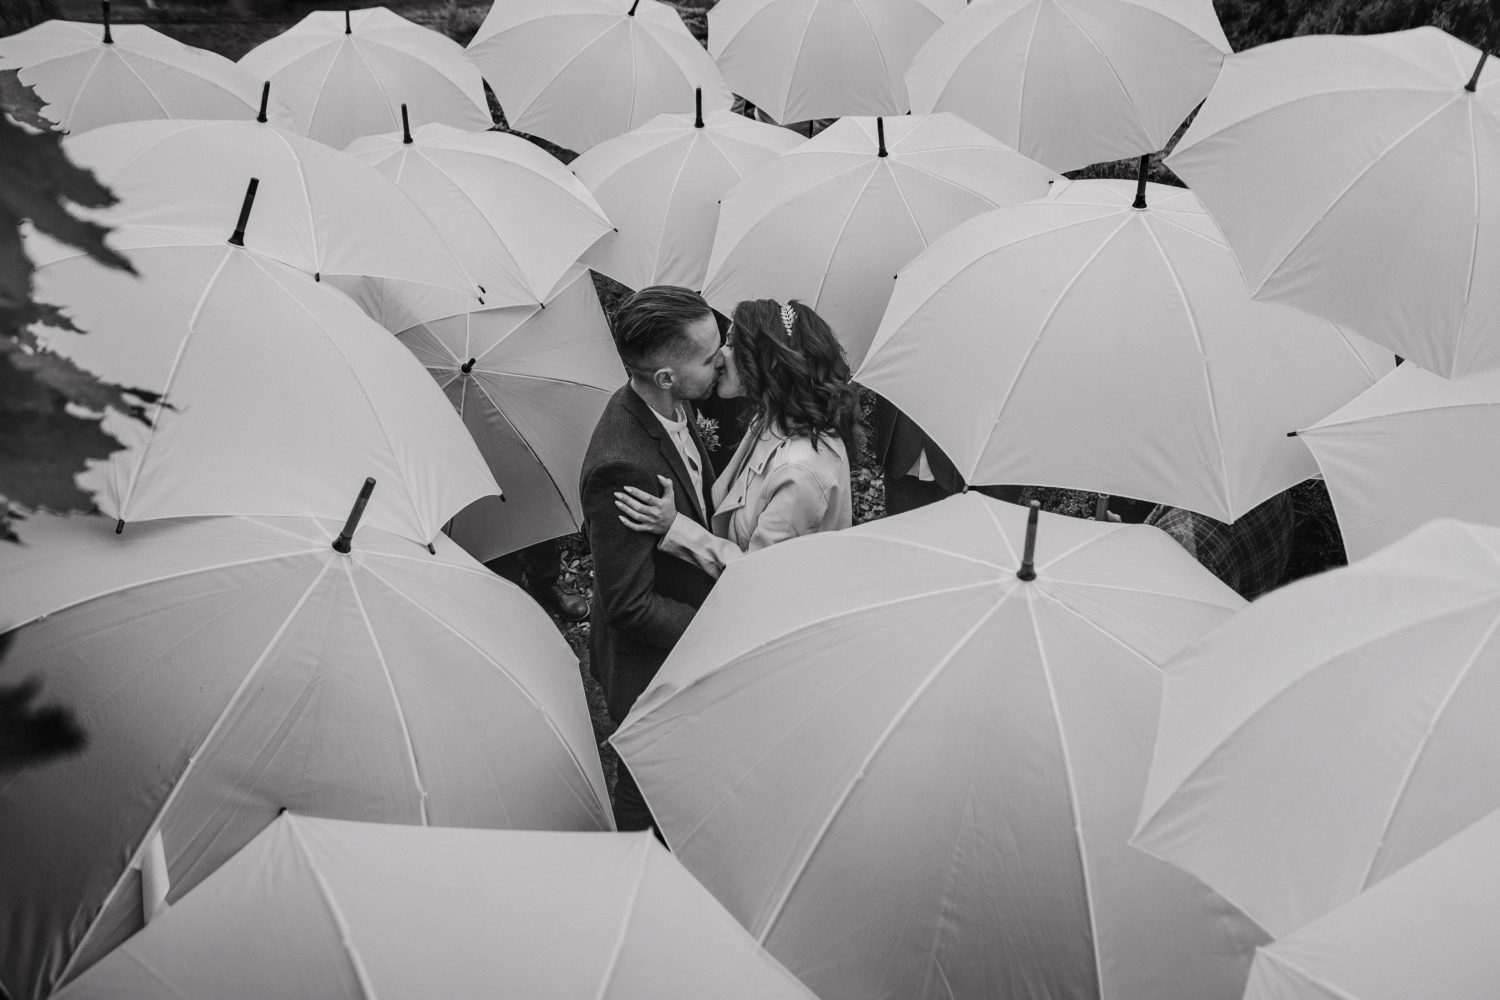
{"x":649,"y":325}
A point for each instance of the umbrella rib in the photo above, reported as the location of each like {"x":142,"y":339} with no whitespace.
{"x":1021,"y":118}
{"x":566,"y":65}
{"x":624,"y":931}
{"x":885,"y":67}
{"x":1458,"y":340}
{"x":839,"y":238}
{"x":592,"y":807}
{"x":1324,"y":425}
{"x":346,"y":937}
{"x":307,"y":198}
{"x":1358,"y":176}
{"x":130,"y":954}
{"x":394,"y":112}
{"x":1421,"y":747}
{"x":149,"y":92}
{"x":1108,"y":63}
{"x":152,"y":828}
{"x":78,"y":96}
{"x":500,"y":411}
{"x":1042,"y":332}
{"x":390,"y":683}
{"x":786,"y":93}
{"x":1227,"y":497}
{"x":333,"y":58}
{"x":667,"y":213}
{"x":1333,"y":991}
{"x":880,"y":741}
{"x":1077,"y":810}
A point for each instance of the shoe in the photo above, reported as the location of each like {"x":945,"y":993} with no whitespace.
{"x":569,"y":607}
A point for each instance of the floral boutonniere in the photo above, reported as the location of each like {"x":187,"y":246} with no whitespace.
{"x":708,"y":432}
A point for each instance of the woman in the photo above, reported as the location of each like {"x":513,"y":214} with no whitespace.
{"x":790,"y":475}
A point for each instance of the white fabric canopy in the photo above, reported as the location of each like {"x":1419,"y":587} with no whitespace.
{"x":1334,"y":730}
{"x":140,"y":73}
{"x":830,"y":221}
{"x":802,"y":59}
{"x":912,"y":774}
{"x":1072,"y":82}
{"x":1081,"y":342}
{"x":661,"y":185}
{"x":1393,"y":225}
{"x":325,"y":908}
{"x":345,"y":84}
{"x":227,"y":668}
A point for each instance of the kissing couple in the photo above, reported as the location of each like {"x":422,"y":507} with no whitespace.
{"x":661,"y":525}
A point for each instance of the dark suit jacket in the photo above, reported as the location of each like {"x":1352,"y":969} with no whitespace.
{"x":898,"y":442}
{"x":643,"y":597}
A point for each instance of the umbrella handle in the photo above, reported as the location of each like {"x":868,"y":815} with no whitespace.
{"x":1028,"y":555}
{"x":405,"y":127}
{"x":265,"y":96}
{"x":342,"y":543}
{"x":108,"y":39}
{"x":348,"y":28}
{"x":1140,"y":183}
{"x":698,"y":104}
{"x":1471,"y":86}
{"x":237,"y":238}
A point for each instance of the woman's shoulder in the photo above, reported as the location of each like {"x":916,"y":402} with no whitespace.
{"x":823,"y":455}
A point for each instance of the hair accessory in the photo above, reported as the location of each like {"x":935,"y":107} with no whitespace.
{"x":788,"y":318}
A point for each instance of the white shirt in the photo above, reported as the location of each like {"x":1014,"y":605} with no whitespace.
{"x":686,"y":448}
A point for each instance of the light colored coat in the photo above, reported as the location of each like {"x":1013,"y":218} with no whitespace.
{"x":774,"y":488}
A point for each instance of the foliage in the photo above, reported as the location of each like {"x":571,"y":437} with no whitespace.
{"x":31,"y":734}
{"x":1248,"y":23}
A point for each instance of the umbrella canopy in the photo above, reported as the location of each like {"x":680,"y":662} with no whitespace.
{"x":530,"y":383}
{"x":346,"y":74}
{"x":801,"y":59}
{"x":279,"y":395}
{"x":582,"y":71}
{"x":91,"y":75}
{"x":911,"y":771}
{"x":1334,"y":730}
{"x":514,"y":215}
{"x":830,"y":221}
{"x":1392,"y":227}
{"x":227,"y":668}
{"x":328,"y":908}
{"x":1409,"y":450}
{"x":1428,"y":930}
{"x":662,"y":184}
{"x":318,"y":210}
{"x":1086,"y":343}
{"x":1072,"y":82}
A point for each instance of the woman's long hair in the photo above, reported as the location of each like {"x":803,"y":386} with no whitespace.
{"x":797,"y":380}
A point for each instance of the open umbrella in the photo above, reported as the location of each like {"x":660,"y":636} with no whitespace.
{"x":1410,"y":449}
{"x":227,"y":668}
{"x":99,"y":74}
{"x":1428,"y":930}
{"x":279,"y":394}
{"x":830,"y":221}
{"x":1334,"y":730}
{"x":1097,"y":343}
{"x":330,"y":908}
{"x":908,"y":757}
{"x":1072,"y":82}
{"x":346,"y":74}
{"x":1391,"y":227}
{"x":582,"y":71}
{"x":530,"y":383}
{"x":801,"y":59}
{"x":512,"y":213}
{"x":661,"y":185}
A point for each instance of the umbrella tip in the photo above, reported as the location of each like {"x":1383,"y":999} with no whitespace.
{"x":880,"y":136}
{"x":467,"y":366}
{"x":1291,"y":434}
{"x":698,"y":106}
{"x":1028,"y":555}
{"x":1473,"y":83}
{"x":1140,"y":183}
{"x":631,"y":11}
{"x":342,"y":544}
{"x":237,"y":238}
{"x":431,"y":549}
{"x":348,"y":28}
{"x":108,"y":38}
{"x":265,"y":97}
{"x":120,"y":526}
{"x":405,"y":126}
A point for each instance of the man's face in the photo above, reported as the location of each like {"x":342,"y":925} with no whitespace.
{"x":697,"y":368}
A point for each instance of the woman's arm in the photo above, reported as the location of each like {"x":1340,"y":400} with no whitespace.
{"x":795,"y":504}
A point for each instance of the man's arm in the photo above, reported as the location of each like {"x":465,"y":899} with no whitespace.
{"x":624,"y":571}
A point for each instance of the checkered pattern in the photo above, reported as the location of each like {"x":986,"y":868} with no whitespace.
{"x":1249,"y":555}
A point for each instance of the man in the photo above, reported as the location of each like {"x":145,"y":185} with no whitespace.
{"x":916,"y":470}
{"x":643,"y":597}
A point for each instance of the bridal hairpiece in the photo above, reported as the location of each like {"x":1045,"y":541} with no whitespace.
{"x":788,"y":318}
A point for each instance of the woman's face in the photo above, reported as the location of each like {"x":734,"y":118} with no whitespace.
{"x":729,"y":382}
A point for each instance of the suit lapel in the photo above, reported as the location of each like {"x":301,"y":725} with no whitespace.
{"x":647,"y":418}
{"x":705,"y":463}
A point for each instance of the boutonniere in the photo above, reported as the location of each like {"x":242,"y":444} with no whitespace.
{"x":708,"y":432}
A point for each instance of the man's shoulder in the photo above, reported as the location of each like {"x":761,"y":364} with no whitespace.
{"x":620,"y":434}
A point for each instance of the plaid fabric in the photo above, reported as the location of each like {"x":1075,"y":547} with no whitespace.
{"x":1249,"y":555}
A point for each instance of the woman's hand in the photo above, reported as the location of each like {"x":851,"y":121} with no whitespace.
{"x":640,"y":511}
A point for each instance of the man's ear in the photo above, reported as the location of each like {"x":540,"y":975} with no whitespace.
{"x":663,"y":378}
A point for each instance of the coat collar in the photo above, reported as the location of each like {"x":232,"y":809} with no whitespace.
{"x":667,"y":447}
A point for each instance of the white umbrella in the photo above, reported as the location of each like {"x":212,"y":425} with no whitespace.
{"x":1086,"y":343}
{"x":1428,"y":930}
{"x":530,"y":383}
{"x":280,"y":396}
{"x":1334,"y":730}
{"x":99,"y":74}
{"x":908,"y":756}
{"x":1412,"y":448}
{"x":1072,"y":82}
{"x":329,"y":908}
{"x":346,"y":74}
{"x":831,"y":221}
{"x":227,"y":668}
{"x":661,"y":185}
{"x":318,"y":210}
{"x":512,"y":213}
{"x":1391,"y":227}
{"x":801,"y":59}
{"x":582,"y":71}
